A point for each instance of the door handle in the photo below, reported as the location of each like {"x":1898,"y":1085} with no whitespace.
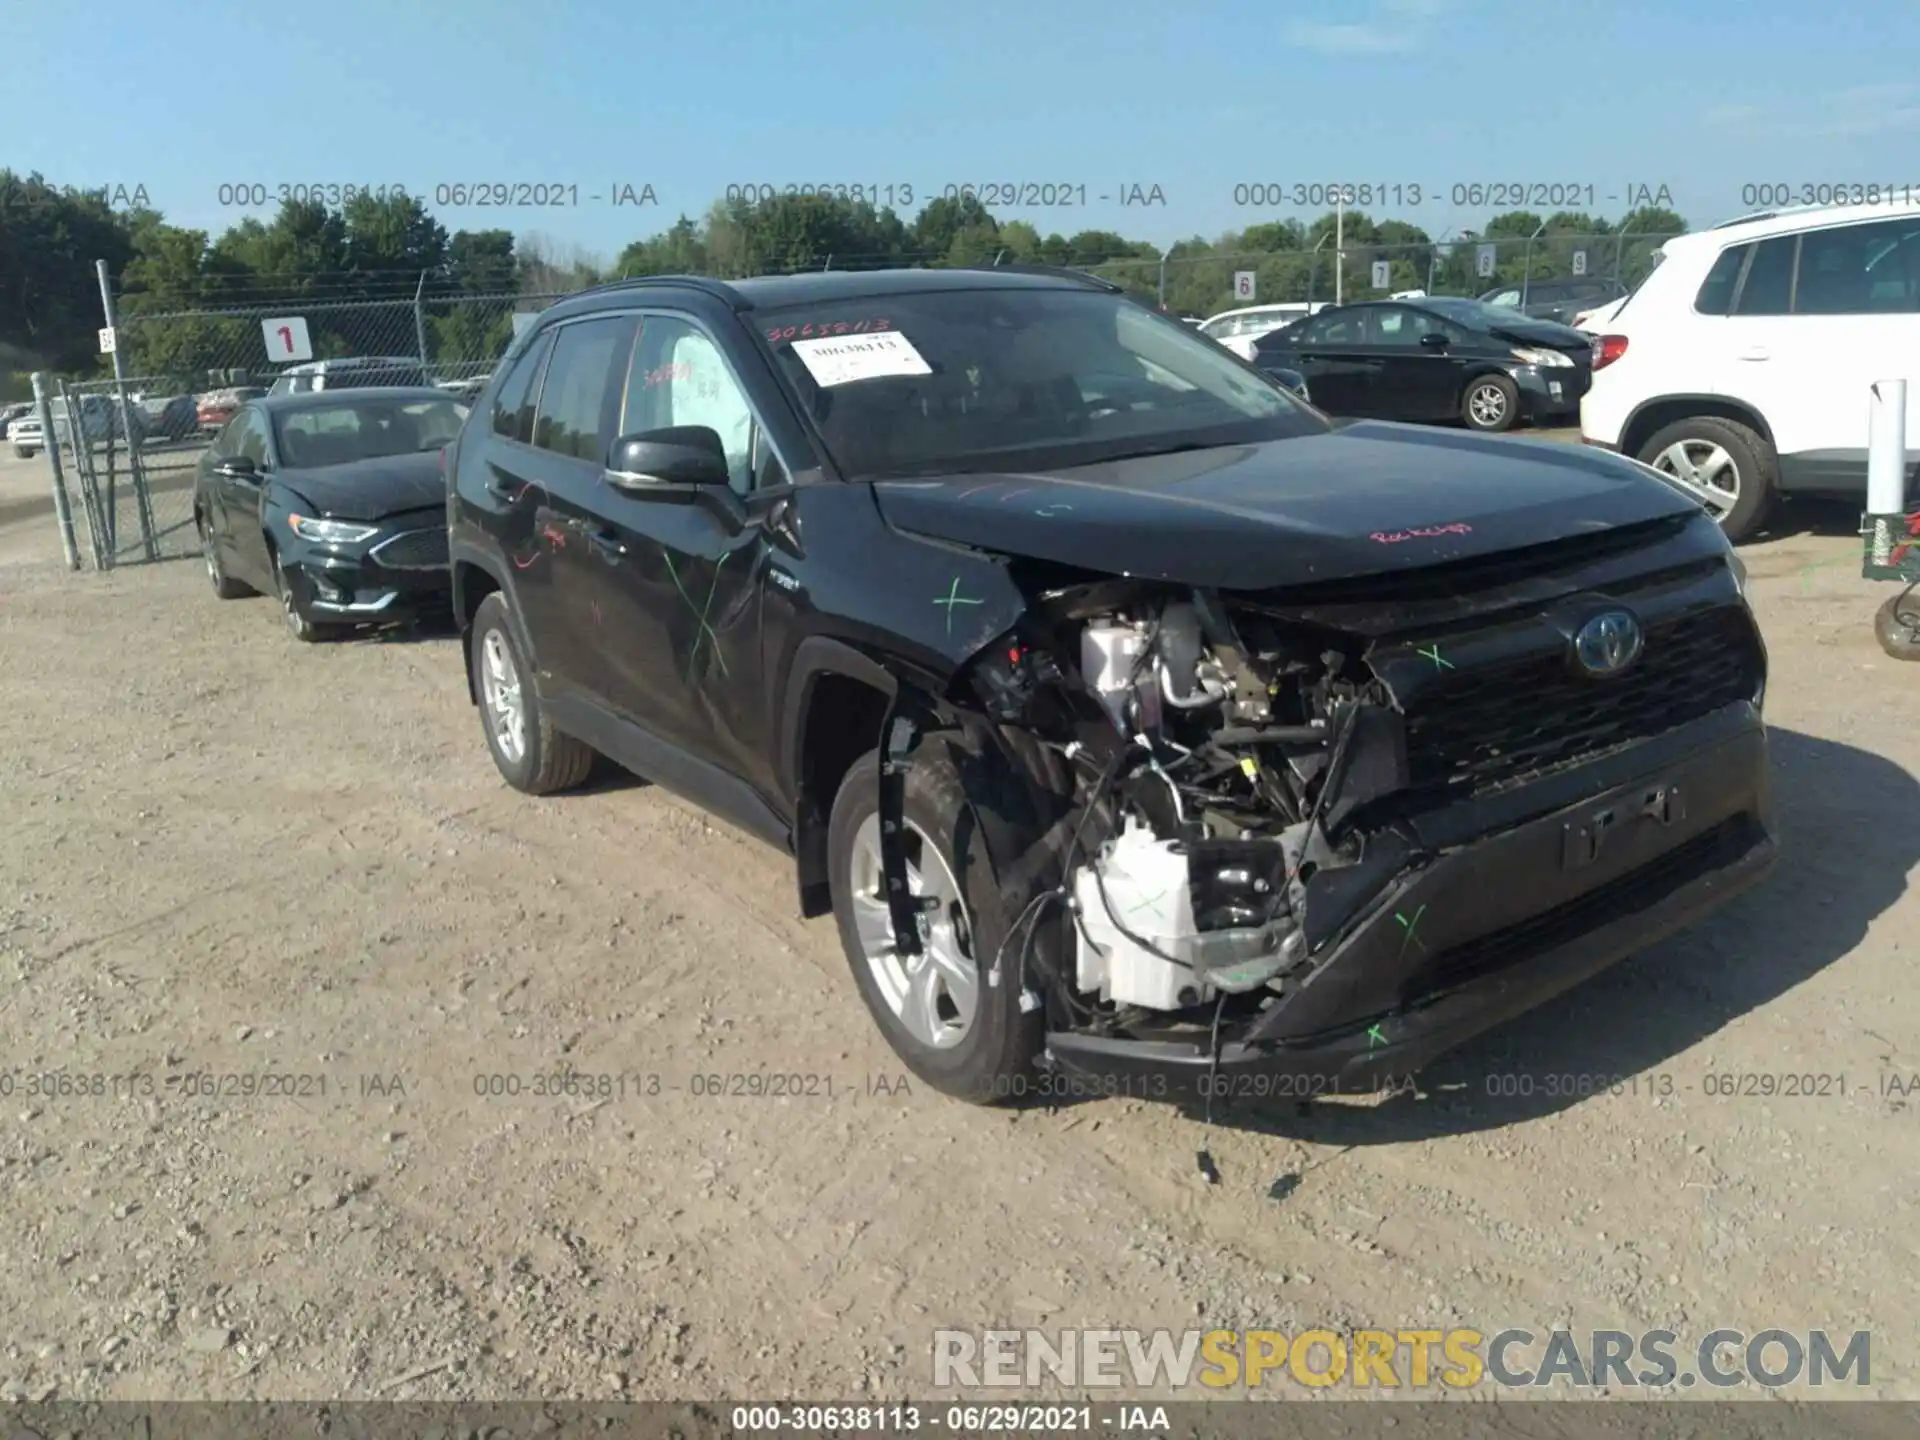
{"x":502,"y":489}
{"x":1756,"y":352}
{"x":608,"y":543}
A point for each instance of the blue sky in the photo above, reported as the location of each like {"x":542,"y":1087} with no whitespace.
{"x":1193,"y":97}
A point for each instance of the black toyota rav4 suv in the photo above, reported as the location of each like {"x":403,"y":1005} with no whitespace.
{"x":1143,"y":732}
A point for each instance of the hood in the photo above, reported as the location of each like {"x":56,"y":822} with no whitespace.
{"x":1527,"y":331}
{"x":370,"y":489}
{"x":1368,"y":499}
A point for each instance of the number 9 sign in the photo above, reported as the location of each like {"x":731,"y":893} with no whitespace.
{"x":287,"y":340}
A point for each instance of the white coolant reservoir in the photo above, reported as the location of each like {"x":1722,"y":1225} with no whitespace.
{"x":1111,"y":659}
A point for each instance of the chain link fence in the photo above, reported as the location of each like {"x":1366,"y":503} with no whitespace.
{"x":133,"y":447}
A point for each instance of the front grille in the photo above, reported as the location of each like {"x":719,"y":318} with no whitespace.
{"x":1500,"y":726}
{"x":414,"y":550}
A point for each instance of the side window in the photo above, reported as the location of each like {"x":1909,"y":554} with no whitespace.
{"x":252,"y":438}
{"x":575,"y":415}
{"x":1716,"y":291}
{"x":1506,"y":297}
{"x":1337,"y":329}
{"x":679,"y":378}
{"x":1868,"y":269}
{"x":513,"y":401}
{"x":1768,"y":288}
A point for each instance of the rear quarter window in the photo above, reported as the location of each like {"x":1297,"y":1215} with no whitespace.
{"x":1715,"y":295}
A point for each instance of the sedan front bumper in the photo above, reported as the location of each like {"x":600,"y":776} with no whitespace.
{"x":1492,"y":928}
{"x":397,"y":577}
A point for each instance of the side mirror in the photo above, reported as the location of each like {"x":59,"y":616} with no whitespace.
{"x":678,"y":455}
{"x":239,"y":467}
{"x":1433,"y":341}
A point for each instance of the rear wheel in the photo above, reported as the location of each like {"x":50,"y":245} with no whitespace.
{"x":1730,"y":468}
{"x":954,"y":1025}
{"x":528,"y":752}
{"x":225,"y":588}
{"x":1491,"y":403}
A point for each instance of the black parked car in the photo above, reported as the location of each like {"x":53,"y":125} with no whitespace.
{"x":980,"y":591}
{"x":1434,"y":359}
{"x":1555,"y":300}
{"x":335,"y":502}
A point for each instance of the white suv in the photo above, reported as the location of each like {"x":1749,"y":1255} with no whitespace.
{"x":1238,"y":329}
{"x":1742,"y":364}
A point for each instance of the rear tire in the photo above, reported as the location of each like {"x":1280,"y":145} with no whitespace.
{"x":1730,"y":453}
{"x":1897,"y":624}
{"x":224,"y":586}
{"x":529,"y":753}
{"x":991,"y":1060}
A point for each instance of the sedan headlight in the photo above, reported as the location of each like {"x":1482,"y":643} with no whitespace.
{"x":1552,"y":359}
{"x":330,"y":532}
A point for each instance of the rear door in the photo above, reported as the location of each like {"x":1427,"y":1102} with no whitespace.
{"x":559,"y":480}
{"x":1333,"y":357}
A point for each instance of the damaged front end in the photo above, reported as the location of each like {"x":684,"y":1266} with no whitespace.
{"x":1272,"y":886}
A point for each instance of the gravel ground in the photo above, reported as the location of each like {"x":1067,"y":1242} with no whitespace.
{"x":229,"y":855}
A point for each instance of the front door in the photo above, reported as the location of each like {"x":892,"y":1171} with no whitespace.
{"x":240,"y":500}
{"x":679,"y":579}
{"x":1418,"y":378}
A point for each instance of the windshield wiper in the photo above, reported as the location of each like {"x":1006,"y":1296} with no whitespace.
{"x":1173,"y":447}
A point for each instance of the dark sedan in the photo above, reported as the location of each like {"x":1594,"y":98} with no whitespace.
{"x":1434,"y":359}
{"x":334,"y":502}
{"x":1556,"y":300}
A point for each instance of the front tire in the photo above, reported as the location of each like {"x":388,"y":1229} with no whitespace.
{"x":529,"y":753}
{"x":298,"y":625}
{"x":941,"y":1011}
{"x":1733,"y":469}
{"x":1491,"y":404}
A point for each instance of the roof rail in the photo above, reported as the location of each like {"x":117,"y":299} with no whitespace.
{"x":1748,"y":219}
{"x":719,"y":289}
{"x":1063,"y":272}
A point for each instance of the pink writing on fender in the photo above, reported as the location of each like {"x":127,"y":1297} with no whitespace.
{"x":1424,"y":532}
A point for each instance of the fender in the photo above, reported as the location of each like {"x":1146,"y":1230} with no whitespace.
{"x":1710,"y":402}
{"x":502,"y":578}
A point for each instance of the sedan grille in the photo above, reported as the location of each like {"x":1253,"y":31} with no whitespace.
{"x":1503,"y":725}
{"x":413,"y":550}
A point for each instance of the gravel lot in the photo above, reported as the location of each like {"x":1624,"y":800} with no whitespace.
{"x":226,"y":854}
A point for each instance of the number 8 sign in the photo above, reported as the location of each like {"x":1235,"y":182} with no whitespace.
{"x":287,"y":340}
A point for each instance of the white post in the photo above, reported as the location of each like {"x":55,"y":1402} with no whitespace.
{"x":1887,"y":448}
{"x":1886,"y":460}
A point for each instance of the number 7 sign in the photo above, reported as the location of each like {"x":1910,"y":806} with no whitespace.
{"x":287,"y":340}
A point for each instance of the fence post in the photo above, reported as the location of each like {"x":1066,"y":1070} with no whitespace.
{"x":1161,"y":288}
{"x":142,"y":501}
{"x":62,"y":506}
{"x":99,"y":531}
{"x":1526,"y":270}
{"x":420,"y":319}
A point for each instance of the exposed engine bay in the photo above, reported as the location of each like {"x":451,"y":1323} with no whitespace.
{"x":1207,"y":751}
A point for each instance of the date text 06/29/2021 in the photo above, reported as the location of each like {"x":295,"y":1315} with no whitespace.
{"x":1004,"y":194}
{"x":455,"y":194}
{"x":1459,"y":194}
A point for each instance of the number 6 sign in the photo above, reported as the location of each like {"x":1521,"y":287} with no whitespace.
{"x":287,"y":340}
{"x":1243,"y":284}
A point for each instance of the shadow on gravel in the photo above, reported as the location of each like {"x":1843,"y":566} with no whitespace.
{"x":1849,"y":825}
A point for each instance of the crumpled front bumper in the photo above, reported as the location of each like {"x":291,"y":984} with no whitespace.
{"x":1662,"y":835}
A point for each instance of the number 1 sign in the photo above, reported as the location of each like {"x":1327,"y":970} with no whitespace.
{"x":287,"y":340}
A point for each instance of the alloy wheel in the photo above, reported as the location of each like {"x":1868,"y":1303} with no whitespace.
{"x":506,"y":703}
{"x":288,"y":608}
{"x":1706,"y":470}
{"x":211,"y":552}
{"x":936,"y":994}
{"x":1488,"y":405}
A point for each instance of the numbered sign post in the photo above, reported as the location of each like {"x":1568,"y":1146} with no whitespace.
{"x":1485,"y":260}
{"x":287,"y":340}
{"x":1579,"y":262}
{"x":1382,"y":274}
{"x":1243,"y":285}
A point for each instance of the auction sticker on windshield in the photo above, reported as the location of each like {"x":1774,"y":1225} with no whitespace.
{"x":842,"y":359}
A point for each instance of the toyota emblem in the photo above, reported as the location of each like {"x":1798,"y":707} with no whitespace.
{"x":1608,"y":643}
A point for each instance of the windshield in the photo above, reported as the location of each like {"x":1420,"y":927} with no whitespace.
{"x":365,"y":430}
{"x":951,"y":381}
